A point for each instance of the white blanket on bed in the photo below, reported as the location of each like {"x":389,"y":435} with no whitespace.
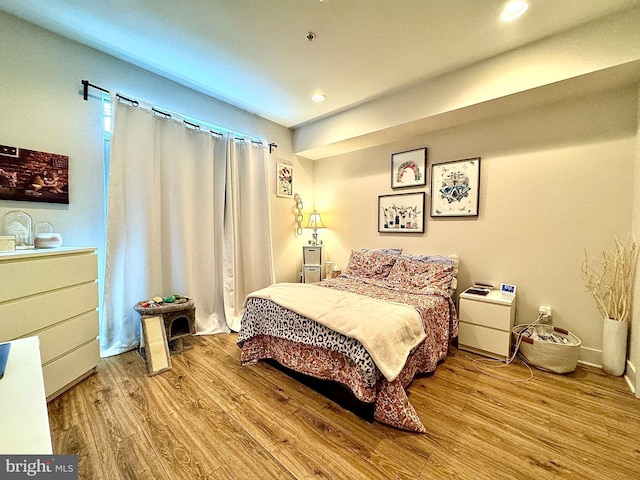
{"x":388,"y":330}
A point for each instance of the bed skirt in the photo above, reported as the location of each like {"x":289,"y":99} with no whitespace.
{"x":391,"y":403}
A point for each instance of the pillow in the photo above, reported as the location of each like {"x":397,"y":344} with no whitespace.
{"x":452,"y":259}
{"x":390,"y":251}
{"x":416,"y":273}
{"x":370,"y":264}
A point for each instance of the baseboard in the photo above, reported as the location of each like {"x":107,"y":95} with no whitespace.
{"x":630,"y":376}
{"x":593,"y":358}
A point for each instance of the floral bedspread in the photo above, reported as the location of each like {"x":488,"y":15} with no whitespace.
{"x":298,"y":343}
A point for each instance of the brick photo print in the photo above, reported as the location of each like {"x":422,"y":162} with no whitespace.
{"x":34,"y":176}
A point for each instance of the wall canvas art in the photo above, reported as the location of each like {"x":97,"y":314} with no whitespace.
{"x":409,"y":169}
{"x":401,"y":213}
{"x":30,"y":175}
{"x":284,"y":179}
{"x":455,"y":188}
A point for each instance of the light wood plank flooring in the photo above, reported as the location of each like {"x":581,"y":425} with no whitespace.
{"x":210,"y":418}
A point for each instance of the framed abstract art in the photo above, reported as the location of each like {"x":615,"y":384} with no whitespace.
{"x":455,"y":188}
{"x":284,"y":180}
{"x":408,"y":169}
{"x":401,"y":213}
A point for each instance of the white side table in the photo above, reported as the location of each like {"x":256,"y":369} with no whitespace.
{"x":486,"y":323}
{"x":312,"y":261}
{"x":23,"y":405}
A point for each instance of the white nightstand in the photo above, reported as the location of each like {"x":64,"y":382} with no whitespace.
{"x":486,"y":323}
{"x":312,"y":258}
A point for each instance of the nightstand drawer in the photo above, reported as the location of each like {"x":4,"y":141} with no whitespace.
{"x":486,"y":314}
{"x":311,"y":273}
{"x":484,"y":340}
{"x":312,"y":254}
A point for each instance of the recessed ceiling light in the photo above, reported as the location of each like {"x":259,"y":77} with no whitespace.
{"x":319,"y":98}
{"x":514,"y":9}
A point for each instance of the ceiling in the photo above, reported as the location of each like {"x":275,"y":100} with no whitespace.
{"x":254,"y":54}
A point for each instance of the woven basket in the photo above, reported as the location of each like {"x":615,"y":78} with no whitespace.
{"x":553,"y":357}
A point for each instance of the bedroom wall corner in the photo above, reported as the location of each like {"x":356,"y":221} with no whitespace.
{"x":633,"y":363}
{"x":287,"y":245}
{"x":554,"y":181}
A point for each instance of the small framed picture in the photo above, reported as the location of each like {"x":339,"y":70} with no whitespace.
{"x":408,"y":169}
{"x":401,"y":213}
{"x":284,"y":180}
{"x":455,"y":188}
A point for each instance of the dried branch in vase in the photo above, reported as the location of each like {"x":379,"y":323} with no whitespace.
{"x":610,"y":279}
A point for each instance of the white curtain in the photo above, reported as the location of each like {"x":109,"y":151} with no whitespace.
{"x":168,"y":230}
{"x":248,"y":250}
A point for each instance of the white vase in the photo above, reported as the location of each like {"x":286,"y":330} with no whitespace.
{"x":614,"y":346}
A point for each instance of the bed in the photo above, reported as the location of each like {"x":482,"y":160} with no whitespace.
{"x":359,"y":329}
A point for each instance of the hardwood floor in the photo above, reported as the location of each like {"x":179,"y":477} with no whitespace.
{"x":210,"y":418}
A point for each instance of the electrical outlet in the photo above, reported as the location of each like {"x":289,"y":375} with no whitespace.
{"x":544,"y":311}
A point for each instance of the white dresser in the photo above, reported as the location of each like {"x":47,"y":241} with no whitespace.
{"x":53,"y":294}
{"x":486,"y":323}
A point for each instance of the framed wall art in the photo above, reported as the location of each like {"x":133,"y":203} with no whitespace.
{"x":284,"y":180}
{"x":33,"y":176}
{"x":409,"y":169}
{"x":455,"y":188}
{"x":401,"y":213}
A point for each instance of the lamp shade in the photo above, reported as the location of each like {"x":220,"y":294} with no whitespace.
{"x":315,"y":221}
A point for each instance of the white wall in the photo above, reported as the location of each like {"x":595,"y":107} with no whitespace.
{"x":42,"y":109}
{"x":633,"y":366}
{"x":554,"y":181}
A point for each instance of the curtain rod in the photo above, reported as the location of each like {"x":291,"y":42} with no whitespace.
{"x":85,"y":94}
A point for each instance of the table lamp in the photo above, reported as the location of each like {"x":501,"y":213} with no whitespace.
{"x":315,"y":222}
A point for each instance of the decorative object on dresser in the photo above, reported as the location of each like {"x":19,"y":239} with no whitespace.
{"x":312,"y":261}
{"x":45,"y":237}
{"x":19,"y":225}
{"x":455,"y":188}
{"x":401,"y":213}
{"x":53,"y":293}
{"x":408,"y":169}
{"x":7,"y":243}
{"x":486,"y":321}
{"x":610,"y":281}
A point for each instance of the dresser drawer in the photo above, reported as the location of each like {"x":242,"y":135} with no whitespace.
{"x":486,"y":314}
{"x":65,"y":336}
{"x":484,"y":340}
{"x":31,"y":276}
{"x":31,"y":314}
{"x":69,"y":368}
{"x":311,"y":273}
